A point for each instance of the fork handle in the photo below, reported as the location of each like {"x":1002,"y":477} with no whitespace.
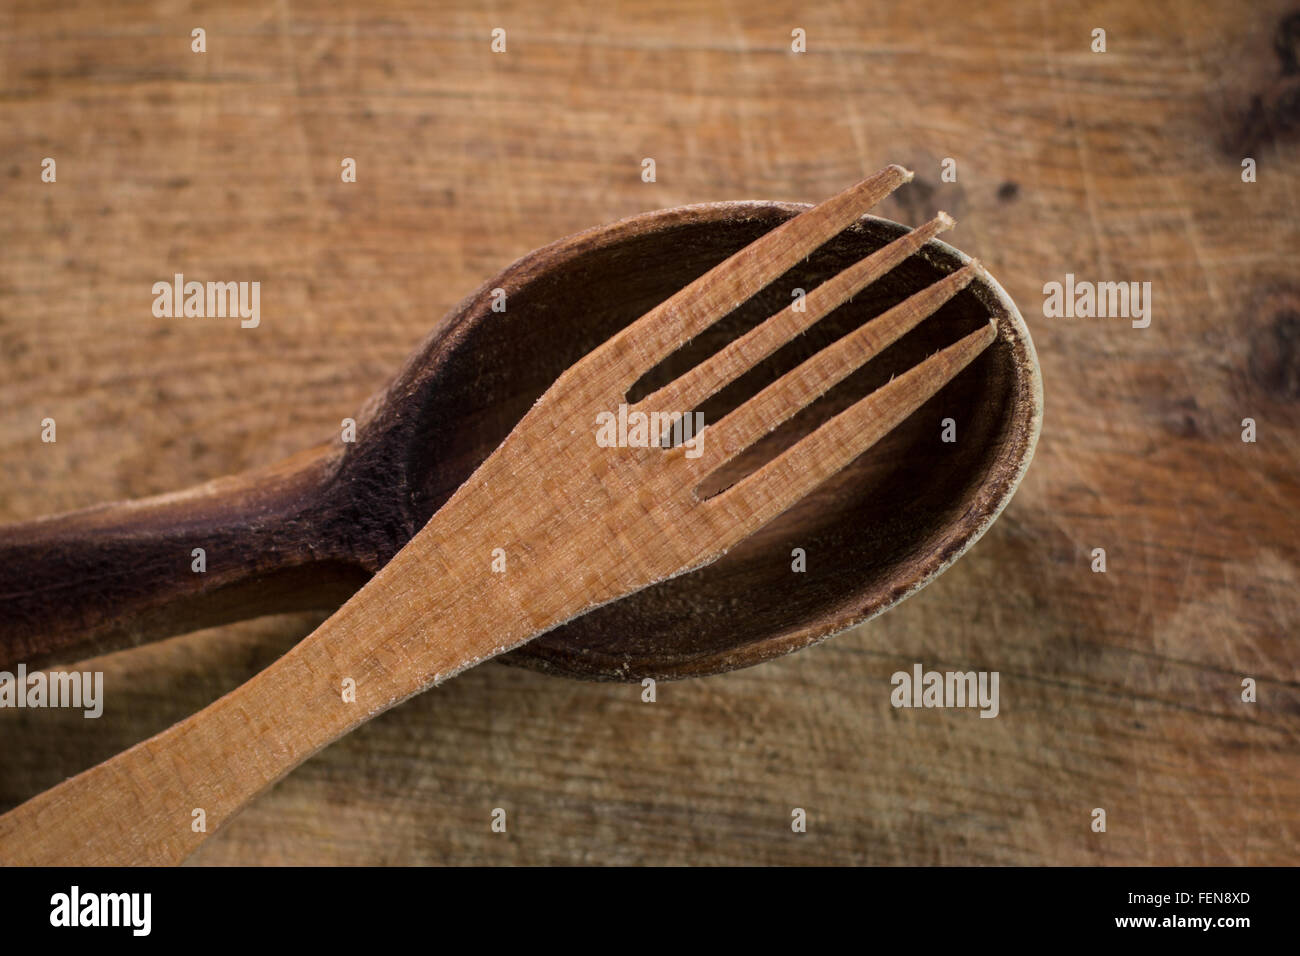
{"x":144,"y":806}
{"x":122,"y":574}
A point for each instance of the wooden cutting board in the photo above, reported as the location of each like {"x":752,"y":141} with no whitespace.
{"x":1120,"y":690}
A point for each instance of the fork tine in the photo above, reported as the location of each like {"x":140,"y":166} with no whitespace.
{"x":742,"y":354}
{"x":672,"y":323}
{"x":794,"y":473}
{"x":812,"y":379}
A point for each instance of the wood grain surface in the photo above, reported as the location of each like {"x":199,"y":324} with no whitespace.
{"x":1119,"y":690}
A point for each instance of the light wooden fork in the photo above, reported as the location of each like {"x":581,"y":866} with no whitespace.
{"x":577,"y":525}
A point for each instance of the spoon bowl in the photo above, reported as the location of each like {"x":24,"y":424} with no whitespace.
{"x":877,"y":533}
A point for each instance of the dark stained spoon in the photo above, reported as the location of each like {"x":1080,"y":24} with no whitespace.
{"x":307,"y":533}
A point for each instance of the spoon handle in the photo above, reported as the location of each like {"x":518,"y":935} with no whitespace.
{"x":155,"y":803}
{"x":122,"y":574}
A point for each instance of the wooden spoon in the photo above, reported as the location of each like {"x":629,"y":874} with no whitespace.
{"x":308,"y":532}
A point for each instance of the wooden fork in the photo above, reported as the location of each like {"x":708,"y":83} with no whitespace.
{"x":550,"y":526}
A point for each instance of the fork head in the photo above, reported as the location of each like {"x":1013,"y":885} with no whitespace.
{"x":622,"y":479}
